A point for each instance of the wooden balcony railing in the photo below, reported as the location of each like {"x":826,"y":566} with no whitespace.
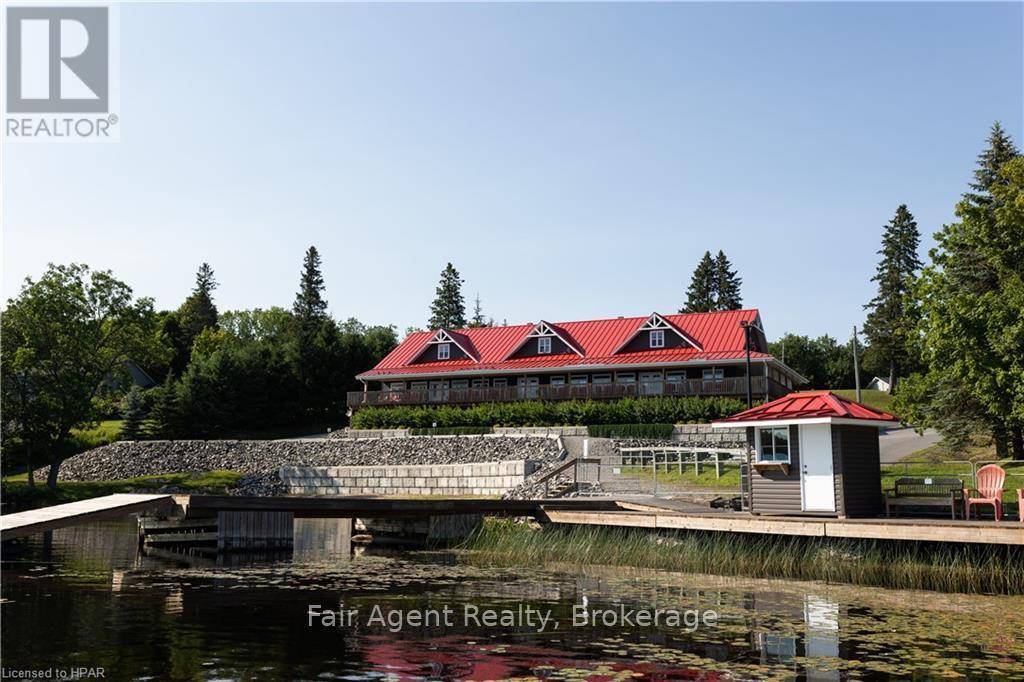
{"x":731,"y":386}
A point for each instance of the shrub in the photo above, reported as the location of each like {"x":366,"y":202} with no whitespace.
{"x":656,"y":410}
{"x":451,"y":431}
{"x":653,"y":431}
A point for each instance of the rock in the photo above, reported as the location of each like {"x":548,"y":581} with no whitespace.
{"x":259,"y":460}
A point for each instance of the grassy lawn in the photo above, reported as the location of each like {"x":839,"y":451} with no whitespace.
{"x":880,"y":400}
{"x":1014,"y":474}
{"x":102,"y":433}
{"x":730,"y":479}
{"x":18,"y":496}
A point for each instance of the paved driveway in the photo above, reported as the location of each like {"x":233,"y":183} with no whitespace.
{"x":896,"y":444}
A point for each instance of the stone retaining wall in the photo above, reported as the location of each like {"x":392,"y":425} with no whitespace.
{"x":481,"y":478}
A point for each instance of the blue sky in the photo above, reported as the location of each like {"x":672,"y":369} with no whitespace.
{"x":572,"y":161}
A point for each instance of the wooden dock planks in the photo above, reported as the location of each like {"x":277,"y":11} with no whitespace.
{"x":928,"y":530}
{"x":61,"y":515}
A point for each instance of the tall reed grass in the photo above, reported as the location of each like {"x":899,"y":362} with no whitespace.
{"x":989,"y":569}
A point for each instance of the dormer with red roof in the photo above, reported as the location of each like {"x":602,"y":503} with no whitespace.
{"x":545,"y":339}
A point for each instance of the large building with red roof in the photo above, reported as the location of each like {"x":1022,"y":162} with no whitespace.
{"x":682,"y":354}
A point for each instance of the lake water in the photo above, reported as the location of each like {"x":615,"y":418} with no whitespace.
{"x":88,"y":597}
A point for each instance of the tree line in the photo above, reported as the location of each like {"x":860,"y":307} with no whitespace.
{"x":947,"y":334}
{"x":68,"y":336}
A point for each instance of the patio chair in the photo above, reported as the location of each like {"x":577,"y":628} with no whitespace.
{"x":989,"y":485}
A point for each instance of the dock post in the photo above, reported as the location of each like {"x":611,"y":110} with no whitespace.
{"x":255,"y":530}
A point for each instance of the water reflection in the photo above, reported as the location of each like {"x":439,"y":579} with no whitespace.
{"x":90,"y":596}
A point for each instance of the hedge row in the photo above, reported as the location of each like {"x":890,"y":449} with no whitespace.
{"x":654,"y":431}
{"x":451,"y":431}
{"x":657,"y":410}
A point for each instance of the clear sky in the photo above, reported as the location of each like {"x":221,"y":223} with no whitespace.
{"x":572,"y":161}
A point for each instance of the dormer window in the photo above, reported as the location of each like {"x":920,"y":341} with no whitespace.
{"x":544,"y":345}
{"x":657,"y":338}
{"x":444,"y":351}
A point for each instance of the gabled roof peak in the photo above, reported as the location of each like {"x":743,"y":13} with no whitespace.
{"x":657,"y":321}
{"x":546,"y":329}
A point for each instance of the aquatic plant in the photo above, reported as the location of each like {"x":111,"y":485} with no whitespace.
{"x":945,"y":567}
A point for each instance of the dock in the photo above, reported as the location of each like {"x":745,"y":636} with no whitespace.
{"x":923,"y":530}
{"x":207,"y":517}
{"x":96,"y":509}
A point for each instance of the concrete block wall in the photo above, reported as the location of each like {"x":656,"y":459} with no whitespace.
{"x":483,"y":478}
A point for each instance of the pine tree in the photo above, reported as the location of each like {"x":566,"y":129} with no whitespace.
{"x":165,"y":418}
{"x":478,"y":319}
{"x":133,"y":412}
{"x":700,"y":297}
{"x":198,"y":311}
{"x":449,"y":308}
{"x":891,"y":321}
{"x":1000,"y":150}
{"x":727,"y":285}
{"x":310,"y":305}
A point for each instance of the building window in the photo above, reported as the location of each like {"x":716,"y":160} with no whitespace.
{"x":444,"y":351}
{"x":397,"y":386}
{"x":558,"y":381}
{"x":544,"y":345}
{"x":773,"y":444}
{"x":714,"y":374}
{"x":657,"y":338}
{"x":460,"y":383}
{"x":625,"y":378}
{"x":602,"y":378}
{"x":500,"y":383}
{"x":419,"y":385}
{"x":578,"y":379}
{"x":479,"y":383}
{"x":675,"y":377}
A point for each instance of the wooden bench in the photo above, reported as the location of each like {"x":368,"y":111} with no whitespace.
{"x":925,"y":492}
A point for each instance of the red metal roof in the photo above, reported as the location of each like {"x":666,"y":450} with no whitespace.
{"x":719,"y":333}
{"x":810,"y":405}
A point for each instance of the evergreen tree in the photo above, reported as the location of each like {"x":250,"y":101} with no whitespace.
{"x":133,"y":412}
{"x":448,"y":310}
{"x":1000,"y":150}
{"x":310,"y":305}
{"x":165,"y":418}
{"x":727,"y":285}
{"x":892,"y":319}
{"x":478,"y":319}
{"x":700,"y":297}
{"x":198,"y":311}
{"x":972,"y":314}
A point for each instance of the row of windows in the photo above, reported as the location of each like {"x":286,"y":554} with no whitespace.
{"x":715,"y":374}
{"x":657,"y":340}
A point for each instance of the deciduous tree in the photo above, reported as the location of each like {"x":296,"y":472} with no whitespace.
{"x":66,"y":335}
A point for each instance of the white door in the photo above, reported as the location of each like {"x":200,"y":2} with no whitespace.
{"x":816,"y":480}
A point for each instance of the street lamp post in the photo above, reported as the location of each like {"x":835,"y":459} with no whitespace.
{"x":746,"y":344}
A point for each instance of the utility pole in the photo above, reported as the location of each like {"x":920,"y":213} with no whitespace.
{"x":746,"y":343}
{"x":856,"y":368}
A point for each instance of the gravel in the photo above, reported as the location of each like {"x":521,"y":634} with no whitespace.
{"x":259,"y":461}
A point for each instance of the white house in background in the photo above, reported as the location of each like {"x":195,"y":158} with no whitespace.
{"x":879,"y":384}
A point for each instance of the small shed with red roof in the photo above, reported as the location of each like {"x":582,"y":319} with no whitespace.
{"x":813,"y":453}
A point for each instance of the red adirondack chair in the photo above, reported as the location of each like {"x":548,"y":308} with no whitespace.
{"x":989,"y":484}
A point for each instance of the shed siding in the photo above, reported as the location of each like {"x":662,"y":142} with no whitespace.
{"x":774,"y":492}
{"x":859,"y":487}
